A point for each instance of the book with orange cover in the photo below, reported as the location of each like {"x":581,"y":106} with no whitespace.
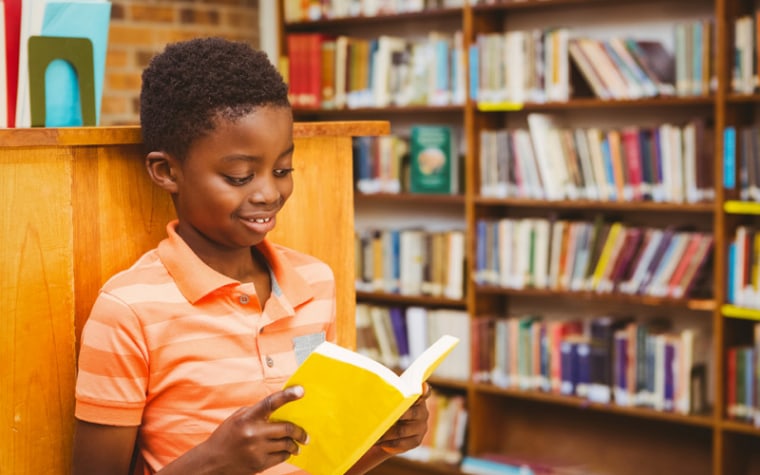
{"x":350,"y":401}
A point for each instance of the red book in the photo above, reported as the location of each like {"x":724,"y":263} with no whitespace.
{"x":688,"y":256}
{"x":12,"y":34}
{"x":632,"y":155}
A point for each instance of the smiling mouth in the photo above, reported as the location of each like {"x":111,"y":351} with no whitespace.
{"x":259,"y":220}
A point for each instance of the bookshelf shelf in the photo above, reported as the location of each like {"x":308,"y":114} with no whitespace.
{"x":408,"y":300}
{"x":638,"y":206}
{"x":740,"y":428}
{"x":516,"y":5}
{"x":741,"y":207}
{"x":705,"y":421}
{"x":738,"y":99}
{"x":700,"y":305}
{"x":407,"y":198}
{"x":593,"y":103}
{"x":354,"y":21}
{"x":416,"y":109}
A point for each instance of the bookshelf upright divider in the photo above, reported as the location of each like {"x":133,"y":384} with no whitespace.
{"x":662,"y":162}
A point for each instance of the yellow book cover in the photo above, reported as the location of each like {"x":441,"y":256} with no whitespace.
{"x":350,"y":400}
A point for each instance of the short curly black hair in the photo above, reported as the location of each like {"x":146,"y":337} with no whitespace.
{"x":193,"y":83}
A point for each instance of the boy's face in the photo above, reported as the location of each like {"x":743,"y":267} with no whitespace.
{"x":234,"y":181}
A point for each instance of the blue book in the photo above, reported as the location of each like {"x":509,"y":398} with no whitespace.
{"x":481,"y":264}
{"x":490,"y":467}
{"x":77,"y":19}
{"x":609,"y":172}
{"x":474,"y":71}
{"x":568,"y":366}
{"x":729,"y":158}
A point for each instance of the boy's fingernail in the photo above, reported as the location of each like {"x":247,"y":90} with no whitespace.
{"x":297,"y":391}
{"x":306,"y":441}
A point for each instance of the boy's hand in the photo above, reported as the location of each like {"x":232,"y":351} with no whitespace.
{"x":246,"y":442}
{"x":408,"y":431}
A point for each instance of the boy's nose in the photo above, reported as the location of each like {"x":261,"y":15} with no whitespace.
{"x":266,"y":191}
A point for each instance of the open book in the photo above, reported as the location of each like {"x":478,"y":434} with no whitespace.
{"x":350,"y":401}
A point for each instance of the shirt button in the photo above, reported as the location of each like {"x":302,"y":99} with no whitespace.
{"x":270,"y":361}
{"x":244,"y":299}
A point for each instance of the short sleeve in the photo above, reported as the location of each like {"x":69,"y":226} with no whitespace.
{"x":113,"y":365}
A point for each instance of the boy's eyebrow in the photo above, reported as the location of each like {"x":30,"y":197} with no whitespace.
{"x":254,"y":158}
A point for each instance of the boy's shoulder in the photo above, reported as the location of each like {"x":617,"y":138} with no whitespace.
{"x":148,"y":269}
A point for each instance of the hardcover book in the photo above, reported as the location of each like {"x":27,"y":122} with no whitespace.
{"x":432,"y":167}
{"x":350,"y":401}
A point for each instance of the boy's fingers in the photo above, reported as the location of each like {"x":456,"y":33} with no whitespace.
{"x":269,"y":404}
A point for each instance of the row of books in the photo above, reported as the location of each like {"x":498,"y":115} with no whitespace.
{"x":741,"y":161}
{"x":447,"y":427}
{"x":425,"y":162}
{"x":549,"y":160}
{"x":535,"y":65}
{"x":743,"y":273}
{"x":328,"y":72}
{"x":596,"y":256}
{"x":315,"y":10}
{"x":743,"y":380}
{"x":396,"y":336}
{"x":605,"y":359}
{"x":411,"y":262}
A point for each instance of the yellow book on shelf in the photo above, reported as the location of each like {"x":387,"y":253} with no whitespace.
{"x":350,"y":400}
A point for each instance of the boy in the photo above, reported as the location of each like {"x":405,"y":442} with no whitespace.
{"x":184,"y":353}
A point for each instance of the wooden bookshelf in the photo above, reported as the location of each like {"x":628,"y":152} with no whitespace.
{"x":544,"y":426}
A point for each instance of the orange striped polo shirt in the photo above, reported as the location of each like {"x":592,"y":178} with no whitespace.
{"x":175,"y":347}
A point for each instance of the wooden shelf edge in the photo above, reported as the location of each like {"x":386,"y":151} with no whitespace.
{"x":593,"y":103}
{"x":702,"y":305}
{"x":740,"y":427}
{"x":423,"y":300}
{"x":648,"y":206}
{"x":699,"y":420}
{"x":406,"y":197}
{"x":431,"y":13}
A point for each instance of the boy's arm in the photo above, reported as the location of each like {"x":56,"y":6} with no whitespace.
{"x":244,"y":443}
{"x":101,"y":449}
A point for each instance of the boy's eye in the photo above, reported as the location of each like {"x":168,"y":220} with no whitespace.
{"x":282,"y":172}
{"x":238,"y":181}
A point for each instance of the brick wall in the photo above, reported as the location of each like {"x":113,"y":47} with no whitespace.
{"x":141,"y":28}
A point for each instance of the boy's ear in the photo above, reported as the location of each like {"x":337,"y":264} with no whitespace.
{"x":162,"y":169}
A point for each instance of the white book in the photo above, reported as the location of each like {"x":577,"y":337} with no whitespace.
{"x":558,"y":229}
{"x":32,"y":15}
{"x":539,"y":126}
{"x":535,"y":186}
{"x":417,"y":332}
{"x":541,"y":253}
{"x":454,"y":288}
{"x":506,"y":232}
{"x":604,"y":188}
{"x":387,"y":46}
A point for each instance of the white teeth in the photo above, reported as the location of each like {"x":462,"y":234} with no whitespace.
{"x":261,"y":220}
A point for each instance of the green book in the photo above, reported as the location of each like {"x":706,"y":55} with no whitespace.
{"x":432,"y":160}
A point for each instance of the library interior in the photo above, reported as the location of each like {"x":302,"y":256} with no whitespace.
{"x":568,"y":187}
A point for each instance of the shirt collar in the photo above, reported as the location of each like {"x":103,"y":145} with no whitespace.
{"x":195,"y":279}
